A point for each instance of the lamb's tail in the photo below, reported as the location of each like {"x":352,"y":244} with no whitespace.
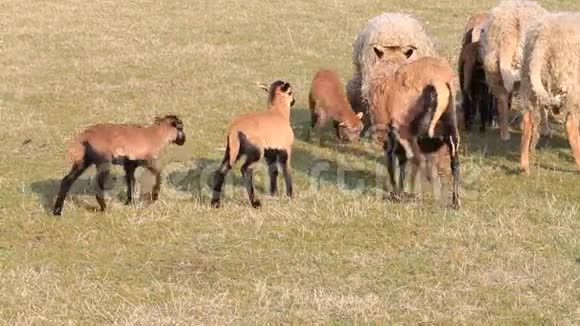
{"x":435,"y":93}
{"x":76,"y":150}
{"x":233,"y":147}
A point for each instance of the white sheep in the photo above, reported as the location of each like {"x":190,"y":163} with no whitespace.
{"x":502,"y":49}
{"x":551,"y":80}
{"x":396,"y":34}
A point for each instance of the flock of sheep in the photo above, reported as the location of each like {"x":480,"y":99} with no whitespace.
{"x":401,"y":90}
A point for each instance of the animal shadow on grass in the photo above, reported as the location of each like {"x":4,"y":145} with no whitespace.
{"x":85,"y":186}
{"x":194,"y":179}
{"x":319,"y":171}
{"x":47,"y":190}
{"x":491,"y":146}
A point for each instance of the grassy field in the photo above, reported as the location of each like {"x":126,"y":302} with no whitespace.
{"x":337,"y":253}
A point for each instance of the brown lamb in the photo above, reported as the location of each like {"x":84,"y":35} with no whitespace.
{"x":265,"y":134}
{"x":128,"y":145}
{"x":328,"y":101}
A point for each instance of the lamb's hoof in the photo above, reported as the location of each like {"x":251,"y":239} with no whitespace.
{"x":57,"y":211}
{"x":256,"y":204}
{"x":215,"y":203}
{"x":456,"y":205}
{"x":525,"y":171}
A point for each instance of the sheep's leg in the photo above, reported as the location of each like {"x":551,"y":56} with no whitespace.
{"x":467,"y":112}
{"x":284,"y":159}
{"x":151,"y":166}
{"x":503,"y":108}
{"x":248,"y":175}
{"x":337,"y":129}
{"x":103,"y":173}
{"x":130,"y":167}
{"x":572,"y":129}
{"x":66,"y":183}
{"x":413,"y":177}
{"x":318,"y":120}
{"x":492,"y":109}
{"x":402,"y":173}
{"x":452,"y":144}
{"x":432,"y":176}
{"x":525,"y":145}
{"x":391,"y":147}
{"x":272,"y":161}
{"x":484,"y":107}
{"x":545,"y":129}
{"x":218,"y":180}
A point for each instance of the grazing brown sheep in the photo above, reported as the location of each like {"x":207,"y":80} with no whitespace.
{"x":413,"y":113}
{"x":551,"y":80}
{"x":265,"y":134}
{"x":129,"y":145}
{"x":327,"y":101}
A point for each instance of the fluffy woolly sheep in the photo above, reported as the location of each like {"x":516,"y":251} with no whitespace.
{"x":413,"y":113}
{"x":398,"y":35}
{"x":265,"y":134}
{"x":131,"y":146}
{"x":502,"y":50}
{"x":551,"y":80}
{"x":327,"y":101}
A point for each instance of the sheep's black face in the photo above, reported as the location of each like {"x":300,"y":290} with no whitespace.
{"x":281,"y":88}
{"x":180,"y":138}
{"x":176,"y":123}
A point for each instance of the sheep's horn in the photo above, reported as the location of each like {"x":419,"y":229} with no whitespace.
{"x":263,"y":86}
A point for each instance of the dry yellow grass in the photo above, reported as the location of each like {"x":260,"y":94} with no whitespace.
{"x":337,"y":253}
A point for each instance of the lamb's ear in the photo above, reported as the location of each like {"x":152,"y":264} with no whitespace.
{"x":379,"y":52}
{"x":409,"y":51}
{"x":359,"y":115}
{"x":263,"y":86}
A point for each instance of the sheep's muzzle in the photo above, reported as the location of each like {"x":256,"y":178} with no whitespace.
{"x":180,"y":139}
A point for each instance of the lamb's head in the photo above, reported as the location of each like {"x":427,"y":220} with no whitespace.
{"x":279,"y":91}
{"x":350,"y":130}
{"x":172,"y":126}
